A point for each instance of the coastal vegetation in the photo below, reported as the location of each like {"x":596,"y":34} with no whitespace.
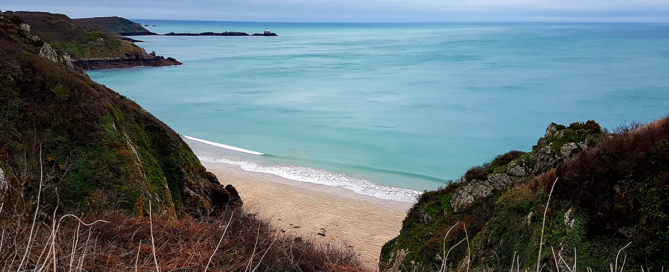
{"x":582,"y":196}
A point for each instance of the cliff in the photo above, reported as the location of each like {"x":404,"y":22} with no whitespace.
{"x":84,"y":44}
{"x":88,"y":148}
{"x":610,"y":192}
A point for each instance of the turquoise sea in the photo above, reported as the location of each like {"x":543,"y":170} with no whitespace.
{"x":389,"y":110}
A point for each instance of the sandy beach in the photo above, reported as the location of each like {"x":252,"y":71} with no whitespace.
{"x":364,"y":222}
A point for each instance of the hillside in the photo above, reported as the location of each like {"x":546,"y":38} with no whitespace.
{"x":90,"y":47}
{"x":610,"y":197}
{"x":100,"y":151}
{"x":114,"y":24}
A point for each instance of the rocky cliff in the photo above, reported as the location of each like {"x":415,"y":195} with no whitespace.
{"x":84,"y":44}
{"x":611,"y":192}
{"x":88,"y":148}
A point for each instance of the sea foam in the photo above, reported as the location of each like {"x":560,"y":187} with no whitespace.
{"x":223,"y":146}
{"x":318,"y":176}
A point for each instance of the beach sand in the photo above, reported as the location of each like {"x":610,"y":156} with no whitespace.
{"x":364,"y":222}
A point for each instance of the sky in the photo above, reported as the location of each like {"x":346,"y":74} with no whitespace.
{"x":359,"y":10}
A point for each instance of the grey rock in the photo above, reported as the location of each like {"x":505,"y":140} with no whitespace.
{"x":466,"y":195}
{"x":67,"y":61}
{"x":47,"y":52}
{"x":568,"y":149}
{"x":552,"y":128}
{"x":515,"y":170}
{"x":25,"y":27}
{"x":500,"y":181}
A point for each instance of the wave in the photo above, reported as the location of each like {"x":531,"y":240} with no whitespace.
{"x":318,"y":176}
{"x":224,"y":146}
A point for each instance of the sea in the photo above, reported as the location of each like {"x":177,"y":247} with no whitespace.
{"x":392,"y":109}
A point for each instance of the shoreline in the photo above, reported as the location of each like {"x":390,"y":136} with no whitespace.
{"x":363,"y":222}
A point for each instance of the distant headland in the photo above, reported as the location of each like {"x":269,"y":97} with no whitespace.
{"x":227,"y":33}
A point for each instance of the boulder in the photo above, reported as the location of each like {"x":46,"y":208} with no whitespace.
{"x":47,"y":52}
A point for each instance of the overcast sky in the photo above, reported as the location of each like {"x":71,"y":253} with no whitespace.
{"x":359,"y":10}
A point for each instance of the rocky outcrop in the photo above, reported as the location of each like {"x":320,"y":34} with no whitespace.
{"x":484,"y":201}
{"x":550,"y":150}
{"x":47,"y":52}
{"x":127,"y":61}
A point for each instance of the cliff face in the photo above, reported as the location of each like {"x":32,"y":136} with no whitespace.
{"x":86,"y":146}
{"x":86,"y":45}
{"x":611,"y":190}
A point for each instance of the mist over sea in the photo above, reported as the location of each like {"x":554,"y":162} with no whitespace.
{"x":392,"y":109}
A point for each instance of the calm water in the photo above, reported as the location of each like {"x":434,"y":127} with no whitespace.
{"x":378,"y":107}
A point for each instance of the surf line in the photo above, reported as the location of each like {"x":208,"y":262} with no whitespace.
{"x":224,"y":146}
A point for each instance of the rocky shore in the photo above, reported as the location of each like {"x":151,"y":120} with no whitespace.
{"x":124,"y":62}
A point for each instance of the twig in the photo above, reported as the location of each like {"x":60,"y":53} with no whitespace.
{"x":513,"y":260}
{"x":254,"y":249}
{"x":270,"y":246}
{"x":469,"y":254}
{"x":443,"y":264}
{"x":616,"y":270}
{"x":219,"y":241}
{"x":75,"y":241}
{"x":137,"y":258}
{"x":39,"y":194}
{"x":557,"y":266}
{"x":153,"y":244}
{"x":574,"y":260}
{"x":543,"y":225}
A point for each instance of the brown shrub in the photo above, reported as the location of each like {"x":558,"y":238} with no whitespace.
{"x":116,"y":242}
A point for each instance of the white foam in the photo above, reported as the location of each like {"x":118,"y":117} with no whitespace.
{"x":223,"y":146}
{"x":322,"y":177}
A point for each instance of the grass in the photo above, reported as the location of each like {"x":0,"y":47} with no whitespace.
{"x":235,"y":241}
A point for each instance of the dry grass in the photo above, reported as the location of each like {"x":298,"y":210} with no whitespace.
{"x":237,"y":241}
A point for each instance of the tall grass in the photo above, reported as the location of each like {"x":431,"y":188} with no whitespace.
{"x":236,"y":241}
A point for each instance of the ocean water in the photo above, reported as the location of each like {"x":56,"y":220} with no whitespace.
{"x":390,"y":110}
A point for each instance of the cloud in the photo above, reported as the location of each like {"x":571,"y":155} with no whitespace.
{"x":359,"y":10}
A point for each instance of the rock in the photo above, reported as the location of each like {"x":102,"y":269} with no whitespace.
{"x":568,"y":149}
{"x":551,"y":129}
{"x":234,"y":194}
{"x":515,"y":170}
{"x":500,"y":181}
{"x":25,"y":27}
{"x":481,"y":188}
{"x":470,"y":192}
{"x":211,"y":177}
{"x":47,"y":52}
{"x":218,"y":195}
{"x":545,"y":160}
{"x":67,"y":61}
